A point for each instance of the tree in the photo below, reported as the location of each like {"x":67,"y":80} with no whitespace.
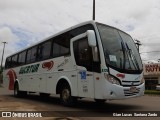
{"x":1,"y":77}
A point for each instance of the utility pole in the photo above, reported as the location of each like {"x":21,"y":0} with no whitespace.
{"x":93,"y":9}
{"x":138,"y":43}
{"x":2,"y":56}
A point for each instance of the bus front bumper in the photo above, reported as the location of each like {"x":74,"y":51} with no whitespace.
{"x":120,"y":92}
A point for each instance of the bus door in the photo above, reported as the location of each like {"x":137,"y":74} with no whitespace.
{"x":82,"y":57}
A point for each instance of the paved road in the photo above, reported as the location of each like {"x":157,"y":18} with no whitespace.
{"x":85,"y":109}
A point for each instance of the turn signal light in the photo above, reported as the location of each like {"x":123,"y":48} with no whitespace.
{"x":120,"y":75}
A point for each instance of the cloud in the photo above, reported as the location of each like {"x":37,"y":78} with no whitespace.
{"x":29,"y":21}
{"x":6,"y":35}
{"x":48,"y":15}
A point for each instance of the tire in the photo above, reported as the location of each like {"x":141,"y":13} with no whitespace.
{"x":44,"y":95}
{"x":100,"y":101}
{"x":65,"y":96}
{"x":17,"y":92}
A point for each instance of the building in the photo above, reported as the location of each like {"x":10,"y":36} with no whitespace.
{"x":151,"y":75}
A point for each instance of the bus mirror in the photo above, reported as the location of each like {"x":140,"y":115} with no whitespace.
{"x":91,"y":38}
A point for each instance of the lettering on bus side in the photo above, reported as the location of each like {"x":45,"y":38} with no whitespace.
{"x":63,"y":63}
{"x":29,"y":69}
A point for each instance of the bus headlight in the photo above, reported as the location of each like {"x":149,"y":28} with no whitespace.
{"x":142,"y":81}
{"x":111,"y":79}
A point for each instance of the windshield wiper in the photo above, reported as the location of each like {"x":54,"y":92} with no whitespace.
{"x":124,"y":54}
{"x":132,"y":57}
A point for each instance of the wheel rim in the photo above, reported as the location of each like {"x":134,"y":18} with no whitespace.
{"x":16,"y":90}
{"x":65,"y":95}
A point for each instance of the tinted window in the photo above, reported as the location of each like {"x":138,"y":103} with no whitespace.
{"x":56,"y":50}
{"x":8,"y":63}
{"x":112,"y":46}
{"x":44,"y":50}
{"x":119,"y":50}
{"x":14,"y":61}
{"x":31,"y":55}
{"x":80,"y":30}
{"x":83,"y":53}
{"x":61,"y":45}
{"x":135,"y":61}
{"x":28,"y":56}
{"x":21,"y":58}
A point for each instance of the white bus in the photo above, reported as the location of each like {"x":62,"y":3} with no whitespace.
{"x":90,"y":60}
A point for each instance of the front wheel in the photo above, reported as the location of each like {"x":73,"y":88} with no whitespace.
{"x":100,"y":101}
{"x":66,"y":97}
{"x":44,"y":95}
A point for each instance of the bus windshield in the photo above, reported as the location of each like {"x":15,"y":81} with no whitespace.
{"x":120,"y":50}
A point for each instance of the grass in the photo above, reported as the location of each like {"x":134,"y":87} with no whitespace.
{"x":152,"y":92}
{"x":1,"y":77}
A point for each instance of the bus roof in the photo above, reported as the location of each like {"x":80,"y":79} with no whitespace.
{"x":58,"y":33}
{"x":63,"y":31}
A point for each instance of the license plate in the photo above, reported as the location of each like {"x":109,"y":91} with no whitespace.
{"x":133,"y":89}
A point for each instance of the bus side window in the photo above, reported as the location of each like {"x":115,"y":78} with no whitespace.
{"x":44,"y":50}
{"x":83,"y":53}
{"x":8,"y":63}
{"x":31,"y":55}
{"x":14,"y":61}
{"x":28,"y":56}
{"x":56,"y":50}
{"x":61,"y":45}
{"x":21,"y":58}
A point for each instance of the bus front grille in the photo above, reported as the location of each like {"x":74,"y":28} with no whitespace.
{"x":128,"y":92}
{"x":130,"y":83}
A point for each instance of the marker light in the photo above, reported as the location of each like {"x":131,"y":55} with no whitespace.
{"x":142,"y":81}
{"x":120,"y":75}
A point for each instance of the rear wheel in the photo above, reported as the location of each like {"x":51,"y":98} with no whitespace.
{"x":66,"y":97}
{"x":17,"y":92}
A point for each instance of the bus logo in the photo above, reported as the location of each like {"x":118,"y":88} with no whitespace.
{"x":29,"y":69}
{"x":48,"y":65}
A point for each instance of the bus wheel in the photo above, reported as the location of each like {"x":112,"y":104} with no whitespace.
{"x":66,"y":97}
{"x":44,"y":95}
{"x":100,"y":101}
{"x":16,"y":90}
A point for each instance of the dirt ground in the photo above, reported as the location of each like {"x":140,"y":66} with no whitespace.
{"x":7,"y":104}
{"x":36,"y":104}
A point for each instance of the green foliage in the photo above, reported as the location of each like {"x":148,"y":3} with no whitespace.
{"x":152,"y":92}
{"x":1,"y":78}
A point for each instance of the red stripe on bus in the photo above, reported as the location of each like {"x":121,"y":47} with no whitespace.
{"x":12,"y":76}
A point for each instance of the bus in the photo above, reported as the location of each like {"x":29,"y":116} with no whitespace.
{"x":89,"y":60}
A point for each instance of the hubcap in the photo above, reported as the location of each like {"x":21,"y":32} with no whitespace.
{"x":65,"y":95}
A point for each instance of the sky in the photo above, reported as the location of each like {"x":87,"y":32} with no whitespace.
{"x":24,"y":22}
